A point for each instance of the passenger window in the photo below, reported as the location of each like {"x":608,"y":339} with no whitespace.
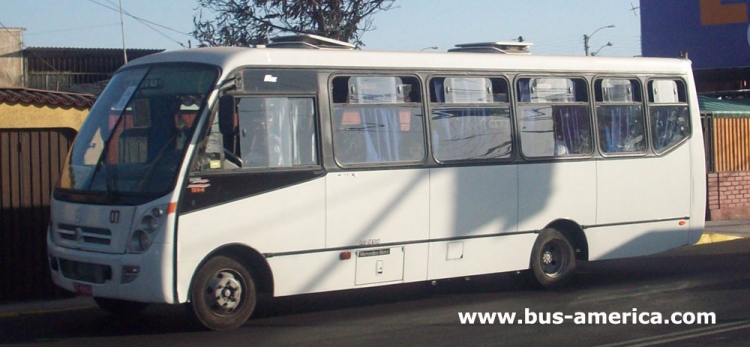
{"x":377,"y":120}
{"x":620,"y":116}
{"x":470,"y":118}
{"x":554,"y":117}
{"x":268,"y":132}
{"x":669,"y":115}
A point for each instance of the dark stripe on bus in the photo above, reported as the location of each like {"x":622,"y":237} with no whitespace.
{"x":210,"y":190}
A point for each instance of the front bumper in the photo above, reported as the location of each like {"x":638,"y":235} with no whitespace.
{"x":146,"y":277}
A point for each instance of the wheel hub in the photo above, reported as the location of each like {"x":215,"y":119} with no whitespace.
{"x":547,"y":258}
{"x":223,"y":292}
{"x":552,"y":259}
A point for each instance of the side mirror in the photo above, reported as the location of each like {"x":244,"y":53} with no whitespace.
{"x":226,"y":114}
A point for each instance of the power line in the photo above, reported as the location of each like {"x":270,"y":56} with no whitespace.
{"x":70,"y":29}
{"x":141,"y":19}
{"x":145,"y":22}
{"x":21,"y":43}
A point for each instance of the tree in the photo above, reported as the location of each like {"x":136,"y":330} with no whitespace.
{"x":251,"y":22}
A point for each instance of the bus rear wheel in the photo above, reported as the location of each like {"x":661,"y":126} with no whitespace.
{"x":552,"y":259}
{"x":223,"y":294}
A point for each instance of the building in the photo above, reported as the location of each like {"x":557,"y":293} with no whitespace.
{"x":77,"y":70}
{"x":713,"y":34}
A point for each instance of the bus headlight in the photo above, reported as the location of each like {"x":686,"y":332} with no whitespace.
{"x":140,"y":241}
{"x":149,"y":226}
{"x":149,"y":223}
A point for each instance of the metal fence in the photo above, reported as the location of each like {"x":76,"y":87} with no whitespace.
{"x":30,"y":164}
{"x":727,"y":141}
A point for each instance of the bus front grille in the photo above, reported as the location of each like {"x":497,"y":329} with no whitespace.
{"x":85,"y":235}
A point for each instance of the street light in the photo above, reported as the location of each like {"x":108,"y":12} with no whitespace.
{"x":586,"y":38}
{"x":609,"y":44}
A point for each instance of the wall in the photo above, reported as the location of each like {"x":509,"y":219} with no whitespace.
{"x":11,"y":57}
{"x":729,"y":195}
{"x":729,"y":182}
{"x":34,"y":142}
{"x":14,"y":116}
{"x":30,"y":165}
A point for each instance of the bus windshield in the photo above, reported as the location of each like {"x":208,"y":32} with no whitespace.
{"x":134,"y":138}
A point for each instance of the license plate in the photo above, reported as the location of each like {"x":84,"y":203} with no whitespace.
{"x":83,"y":289}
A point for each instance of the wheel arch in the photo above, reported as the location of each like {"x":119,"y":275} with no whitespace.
{"x":254,"y":262}
{"x":575,"y":235}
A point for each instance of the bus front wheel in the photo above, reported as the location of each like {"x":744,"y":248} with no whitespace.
{"x":552,"y":259}
{"x":223,"y":294}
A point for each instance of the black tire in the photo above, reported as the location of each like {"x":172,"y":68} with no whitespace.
{"x":120,"y":308}
{"x":552,"y":259}
{"x":222,"y":294}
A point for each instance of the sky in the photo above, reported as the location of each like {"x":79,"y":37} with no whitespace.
{"x":554,"y":27}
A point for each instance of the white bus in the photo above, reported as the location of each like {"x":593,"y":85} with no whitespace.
{"x":208,"y":176}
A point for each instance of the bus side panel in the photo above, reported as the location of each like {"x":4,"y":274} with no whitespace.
{"x":480,"y":256}
{"x":648,"y":189}
{"x":285,"y":220}
{"x":622,"y":241}
{"x":374,"y":207}
{"x":551,"y":191}
{"x":466,"y":202}
{"x":638,"y":193}
{"x":472,"y":201}
{"x":327,"y":271}
{"x":311,"y":273}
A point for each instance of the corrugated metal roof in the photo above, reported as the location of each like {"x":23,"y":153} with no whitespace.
{"x":734,"y":107}
{"x":46,"y":97}
{"x":96,"y":50}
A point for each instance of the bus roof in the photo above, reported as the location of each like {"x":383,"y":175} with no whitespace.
{"x":230,"y":58}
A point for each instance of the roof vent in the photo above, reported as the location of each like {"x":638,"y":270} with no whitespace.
{"x":512,"y":47}
{"x":308,"y":41}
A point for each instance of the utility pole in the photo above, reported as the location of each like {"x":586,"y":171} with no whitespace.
{"x":122,"y":28}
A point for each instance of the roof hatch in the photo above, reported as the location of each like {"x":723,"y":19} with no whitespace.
{"x":308,"y":41}
{"x":511,"y":47}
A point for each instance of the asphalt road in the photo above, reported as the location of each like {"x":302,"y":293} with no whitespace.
{"x":712,"y":278}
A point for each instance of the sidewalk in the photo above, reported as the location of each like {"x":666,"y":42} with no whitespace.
{"x":715,"y":231}
{"x":14,"y":309}
{"x":725,"y":230}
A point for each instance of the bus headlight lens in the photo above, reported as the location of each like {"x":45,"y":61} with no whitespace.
{"x":150,"y":224}
{"x":140,"y":241}
{"x":143,"y":240}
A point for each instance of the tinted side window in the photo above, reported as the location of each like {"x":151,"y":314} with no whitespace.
{"x":669,"y":116}
{"x":265,"y":132}
{"x":554,"y":118}
{"x":276,"y":132}
{"x":470,"y":118}
{"x":620,"y":116}
{"x":377,"y":120}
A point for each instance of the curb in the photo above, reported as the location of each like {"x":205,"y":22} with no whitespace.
{"x":45,"y":307}
{"x":713,"y":238}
